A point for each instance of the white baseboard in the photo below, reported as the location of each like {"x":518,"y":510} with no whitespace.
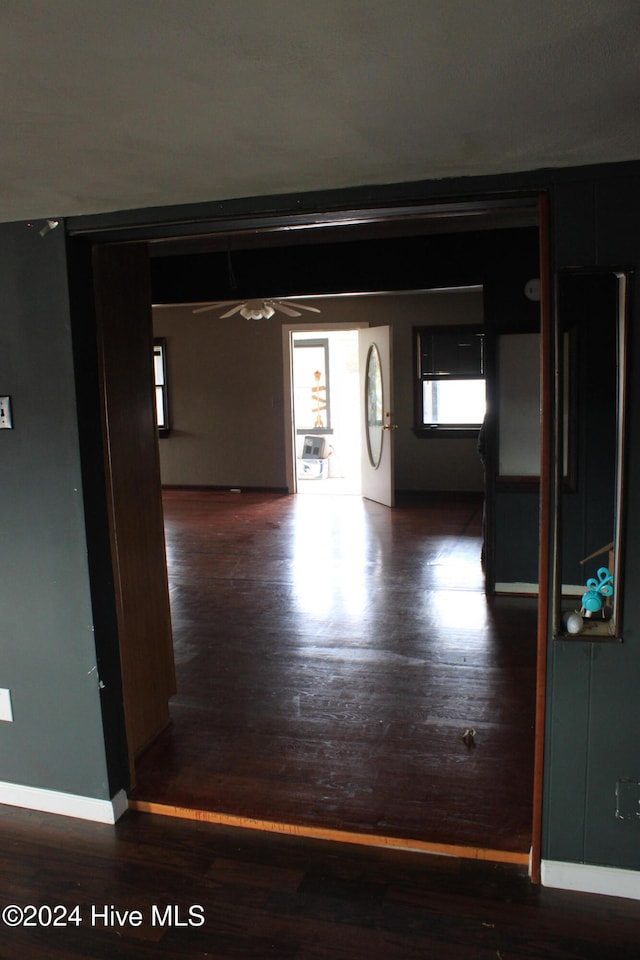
{"x":586,"y":878}
{"x":66,"y":804}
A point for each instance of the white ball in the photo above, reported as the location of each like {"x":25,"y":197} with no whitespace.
{"x":573,"y":623}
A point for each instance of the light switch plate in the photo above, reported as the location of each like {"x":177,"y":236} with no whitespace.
{"x":6,"y":421}
{"x":6,"y":711}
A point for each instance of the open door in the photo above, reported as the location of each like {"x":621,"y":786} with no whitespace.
{"x":376,"y":390}
{"x":125,"y":345}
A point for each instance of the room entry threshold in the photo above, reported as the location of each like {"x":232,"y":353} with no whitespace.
{"x":332,"y":834}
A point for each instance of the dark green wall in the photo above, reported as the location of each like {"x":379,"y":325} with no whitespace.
{"x":592,"y":711}
{"x":512,"y":513}
{"x":588,"y":306}
{"x":47,"y":650}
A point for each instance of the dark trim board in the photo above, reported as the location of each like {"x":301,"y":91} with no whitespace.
{"x":345,"y":205}
{"x":223,"y":488}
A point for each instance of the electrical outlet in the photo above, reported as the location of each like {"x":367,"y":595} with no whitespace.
{"x":6,"y":711}
{"x":6,"y":422}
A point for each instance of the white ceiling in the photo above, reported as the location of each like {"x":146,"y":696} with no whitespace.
{"x":115,"y":104}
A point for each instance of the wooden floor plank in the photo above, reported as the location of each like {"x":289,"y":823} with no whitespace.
{"x":263,"y":895}
{"x":330,"y":655}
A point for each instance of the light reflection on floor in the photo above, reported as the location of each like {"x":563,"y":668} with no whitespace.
{"x":339,"y":565}
{"x":330,"y":557}
{"x":458,"y":609}
{"x":330,"y":486}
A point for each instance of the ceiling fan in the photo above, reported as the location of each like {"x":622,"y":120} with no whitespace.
{"x":257,"y":309}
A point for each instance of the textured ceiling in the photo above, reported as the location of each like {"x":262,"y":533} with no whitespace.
{"x":115,"y":104}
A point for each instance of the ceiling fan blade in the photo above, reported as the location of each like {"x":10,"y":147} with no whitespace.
{"x":290,"y":312}
{"x":230,"y":313}
{"x":214,"y":306}
{"x":303,"y":306}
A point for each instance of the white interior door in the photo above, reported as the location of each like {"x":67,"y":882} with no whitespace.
{"x":377,"y":427}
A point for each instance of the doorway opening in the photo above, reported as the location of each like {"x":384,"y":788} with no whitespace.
{"x":442,"y":608}
{"x":334,"y":586}
{"x":325,"y":407}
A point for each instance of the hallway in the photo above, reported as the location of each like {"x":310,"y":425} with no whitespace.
{"x":331,"y":653}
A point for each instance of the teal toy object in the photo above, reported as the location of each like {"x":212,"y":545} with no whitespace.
{"x":592,"y":600}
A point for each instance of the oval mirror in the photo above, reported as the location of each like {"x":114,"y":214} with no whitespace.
{"x":373,"y":405}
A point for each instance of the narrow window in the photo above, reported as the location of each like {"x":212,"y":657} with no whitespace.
{"x":312,"y":399}
{"x":450,"y":391}
{"x":160,"y":378}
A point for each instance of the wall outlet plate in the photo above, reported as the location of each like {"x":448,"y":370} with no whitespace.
{"x":6,"y":421}
{"x":532,"y":289}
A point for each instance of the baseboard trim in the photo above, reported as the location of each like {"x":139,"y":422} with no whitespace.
{"x":65,"y":804}
{"x":587,"y":878}
{"x":476,"y":495}
{"x":219,"y":488}
{"x":518,"y":588}
{"x":327,"y":833}
{"x":568,"y":589}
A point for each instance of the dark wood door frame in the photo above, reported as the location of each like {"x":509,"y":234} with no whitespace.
{"x":132,"y":480}
{"x":546,"y":538}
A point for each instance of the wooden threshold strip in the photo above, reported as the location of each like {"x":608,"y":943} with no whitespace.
{"x":327,"y":833}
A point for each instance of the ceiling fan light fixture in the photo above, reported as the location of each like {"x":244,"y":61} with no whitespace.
{"x":257,"y":309}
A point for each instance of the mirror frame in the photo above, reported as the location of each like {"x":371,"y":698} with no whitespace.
{"x":613,"y":629}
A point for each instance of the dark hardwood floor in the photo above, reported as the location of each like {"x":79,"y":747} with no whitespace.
{"x":331,"y":653}
{"x":278,"y":897}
